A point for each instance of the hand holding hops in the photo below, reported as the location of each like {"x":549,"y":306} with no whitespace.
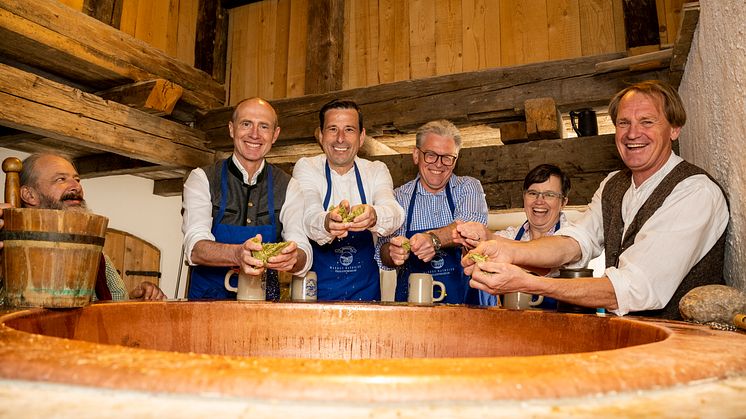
{"x":268,"y":250}
{"x":348,"y":216}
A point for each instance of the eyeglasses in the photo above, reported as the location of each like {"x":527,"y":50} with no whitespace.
{"x":431,"y":157}
{"x":547,"y":195}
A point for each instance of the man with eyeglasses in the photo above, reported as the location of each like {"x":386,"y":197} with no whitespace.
{"x":348,"y":202}
{"x":435,"y":201}
{"x":661,"y":222}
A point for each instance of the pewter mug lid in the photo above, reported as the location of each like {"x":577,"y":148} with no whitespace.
{"x":575,"y":272}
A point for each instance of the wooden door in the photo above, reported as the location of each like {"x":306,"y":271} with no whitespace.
{"x":135,"y":259}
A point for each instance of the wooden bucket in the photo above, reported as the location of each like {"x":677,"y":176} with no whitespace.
{"x":51,"y":256}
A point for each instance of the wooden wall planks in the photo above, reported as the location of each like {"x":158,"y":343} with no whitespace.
{"x":394,"y":40}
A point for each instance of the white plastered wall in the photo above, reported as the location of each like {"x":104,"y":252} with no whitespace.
{"x":714,"y":93}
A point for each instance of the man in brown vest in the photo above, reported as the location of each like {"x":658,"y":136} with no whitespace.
{"x":661,"y":221}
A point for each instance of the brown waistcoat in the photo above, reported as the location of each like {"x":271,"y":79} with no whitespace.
{"x":709,"y":270}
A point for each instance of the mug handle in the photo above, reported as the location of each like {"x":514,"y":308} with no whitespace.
{"x":227,"y":280}
{"x":539,"y":299}
{"x":574,"y":115}
{"x":442,"y":291}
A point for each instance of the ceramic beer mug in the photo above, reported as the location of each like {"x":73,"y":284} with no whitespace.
{"x":304,"y":288}
{"x":521,"y":300}
{"x":250,"y":287}
{"x":421,"y":289}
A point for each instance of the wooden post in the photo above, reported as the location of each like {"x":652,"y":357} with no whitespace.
{"x":543,"y":119}
{"x":12,"y":167}
{"x":211,"y":45}
{"x":324,"y":46}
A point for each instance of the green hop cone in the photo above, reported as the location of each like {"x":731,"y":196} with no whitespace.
{"x":268,"y":250}
{"x":477,"y":257}
{"x":406,"y":246}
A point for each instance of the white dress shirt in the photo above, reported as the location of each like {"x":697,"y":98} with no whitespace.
{"x":669,"y":244}
{"x":377,"y":184}
{"x":197,"y":215}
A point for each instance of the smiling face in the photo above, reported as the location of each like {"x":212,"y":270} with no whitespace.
{"x":341,"y":138}
{"x":643,"y":134}
{"x":254,"y":129}
{"x":434,"y":176}
{"x":56,"y":185}
{"x":544,"y":212}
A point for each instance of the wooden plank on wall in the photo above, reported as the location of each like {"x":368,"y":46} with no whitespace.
{"x":481,"y":34}
{"x":298,"y":30}
{"x":620,"y":38}
{"x":421,"y":38}
{"x":670,"y":19}
{"x":282,"y":35}
{"x":448,"y":37}
{"x":523,"y":32}
{"x":267,"y":48}
{"x":563,"y":18}
{"x":187,"y":30}
{"x":597,"y":31}
{"x":393,"y":41}
{"x":128,"y":22}
{"x":324,"y":48}
{"x":641,"y":23}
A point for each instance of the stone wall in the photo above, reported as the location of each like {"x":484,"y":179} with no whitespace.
{"x":714,"y":92}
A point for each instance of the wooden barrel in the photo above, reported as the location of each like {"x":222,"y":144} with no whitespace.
{"x":51,"y":256}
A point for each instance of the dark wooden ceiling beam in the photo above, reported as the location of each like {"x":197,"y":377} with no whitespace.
{"x":43,"y":107}
{"x":479,"y":97}
{"x":93,"y":53}
{"x":211,"y":43}
{"x":108,"y":164}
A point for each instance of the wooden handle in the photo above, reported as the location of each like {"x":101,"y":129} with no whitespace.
{"x":739,"y":320}
{"x":11,"y":167}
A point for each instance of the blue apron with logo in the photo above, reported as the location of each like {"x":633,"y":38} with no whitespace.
{"x":207,"y":282}
{"x":487,"y":299}
{"x":346,"y":268}
{"x":444,"y":267}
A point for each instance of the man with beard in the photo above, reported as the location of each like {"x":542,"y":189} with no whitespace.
{"x":436,"y":201}
{"x":49,"y":181}
{"x":343,"y":248}
{"x":661,"y":222}
{"x":235,"y":200}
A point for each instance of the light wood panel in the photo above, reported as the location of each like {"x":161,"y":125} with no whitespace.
{"x":481,"y":34}
{"x":523,"y":31}
{"x":75,"y":4}
{"x":597,"y":26}
{"x":563,"y":18}
{"x":187,"y":30}
{"x":421,"y":38}
{"x":393,"y":41}
{"x":282,"y":36}
{"x":448,"y":37}
{"x":135,"y":259}
{"x":360,"y":43}
{"x":296,"y":63}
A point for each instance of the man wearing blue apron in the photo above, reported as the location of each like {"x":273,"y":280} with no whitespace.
{"x":239,"y":198}
{"x":435,"y":200}
{"x":343,"y":250}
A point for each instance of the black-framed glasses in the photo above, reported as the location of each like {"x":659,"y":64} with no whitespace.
{"x":432,"y":157}
{"x":546,"y":195}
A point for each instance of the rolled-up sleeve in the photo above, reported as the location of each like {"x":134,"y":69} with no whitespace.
{"x":197,"y":215}
{"x":292,"y":223}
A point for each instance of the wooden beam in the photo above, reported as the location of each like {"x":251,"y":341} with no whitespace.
{"x":324,"y":46}
{"x":107,"y":11}
{"x":486,"y":96}
{"x":107,"y":164}
{"x":33,"y":104}
{"x":94,"y":54}
{"x":641,"y":23}
{"x":211,"y":45}
{"x":168,"y":187}
{"x":627,"y":62}
{"x":689,"y":21}
{"x":156,"y":97}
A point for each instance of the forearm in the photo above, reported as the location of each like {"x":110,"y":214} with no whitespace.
{"x":210,"y":253}
{"x":588,"y":292}
{"x":386,"y":259}
{"x":445,"y":234}
{"x":300,"y":262}
{"x":546,"y":252}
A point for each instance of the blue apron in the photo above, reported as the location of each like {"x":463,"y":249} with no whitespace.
{"x":346,"y":268}
{"x":207,"y":282}
{"x":444,"y":267}
{"x":487,"y":299}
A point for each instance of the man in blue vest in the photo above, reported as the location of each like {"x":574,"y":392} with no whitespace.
{"x":661,"y":222}
{"x":343,"y":249}
{"x":434,"y":202}
{"x":239,"y":198}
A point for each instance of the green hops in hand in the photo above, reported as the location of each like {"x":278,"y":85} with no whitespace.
{"x":477,"y":257}
{"x":268,"y":250}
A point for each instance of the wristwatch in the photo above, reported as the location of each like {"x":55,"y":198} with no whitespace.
{"x":435,"y":240}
